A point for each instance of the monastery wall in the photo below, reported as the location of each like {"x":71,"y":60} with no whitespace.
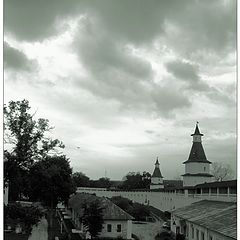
{"x":165,"y":201}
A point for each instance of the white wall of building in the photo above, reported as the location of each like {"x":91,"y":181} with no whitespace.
{"x":156,"y":180}
{"x":197,"y":167}
{"x":5,"y":195}
{"x":126,"y":229}
{"x":196,"y":232}
{"x":194,"y":180}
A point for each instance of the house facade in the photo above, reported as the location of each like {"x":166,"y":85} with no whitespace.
{"x":117,"y":223}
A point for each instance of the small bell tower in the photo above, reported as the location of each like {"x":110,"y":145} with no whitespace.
{"x":156,"y":178}
{"x":197,"y":167}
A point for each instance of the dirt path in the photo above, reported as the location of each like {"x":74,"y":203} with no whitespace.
{"x":40,"y":232}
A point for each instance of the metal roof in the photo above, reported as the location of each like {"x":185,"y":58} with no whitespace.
{"x":197,"y":154}
{"x":214,"y":215}
{"x":230,"y":183}
{"x":157,"y":173}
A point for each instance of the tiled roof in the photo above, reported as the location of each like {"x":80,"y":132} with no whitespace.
{"x":223,"y":221}
{"x":157,"y":173}
{"x":197,"y":153}
{"x":214,"y":215}
{"x":110,"y":210}
{"x":230,"y":183}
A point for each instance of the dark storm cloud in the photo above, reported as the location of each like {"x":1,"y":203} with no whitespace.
{"x":187,"y":73}
{"x":202,"y":24}
{"x":16,"y":60}
{"x":115,"y":73}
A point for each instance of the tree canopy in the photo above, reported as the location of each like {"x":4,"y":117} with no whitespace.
{"x":93,"y":217}
{"x":80,"y":179}
{"x":221,"y":171}
{"x":50,"y":180}
{"x":139,"y":211}
{"x":26,"y":142}
{"x":137,"y":181}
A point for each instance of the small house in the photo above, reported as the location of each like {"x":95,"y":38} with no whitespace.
{"x":117,"y":222}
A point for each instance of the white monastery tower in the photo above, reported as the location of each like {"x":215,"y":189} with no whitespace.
{"x":156,"y":178}
{"x":197,"y":167}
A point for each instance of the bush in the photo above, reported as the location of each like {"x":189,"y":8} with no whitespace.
{"x":29,"y":216}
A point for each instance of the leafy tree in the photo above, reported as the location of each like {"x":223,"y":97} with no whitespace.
{"x":93,"y":217}
{"x":102,"y":182}
{"x":137,"y":210}
{"x":30,"y":216}
{"x":27,"y":142}
{"x":80,"y":179}
{"x":165,"y":235}
{"x":136,"y":181}
{"x":51,"y":181}
{"x":123,"y":203}
{"x":221,"y":171}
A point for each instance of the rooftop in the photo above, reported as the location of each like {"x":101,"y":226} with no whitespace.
{"x":197,"y":154}
{"x":230,"y":183}
{"x":214,"y":215}
{"x":110,"y":210}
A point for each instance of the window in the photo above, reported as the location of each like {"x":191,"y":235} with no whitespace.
{"x":197,"y":233}
{"x":210,"y":237}
{"x":119,"y":228}
{"x":204,"y":169}
{"x":109,"y":227}
{"x":202,"y":236}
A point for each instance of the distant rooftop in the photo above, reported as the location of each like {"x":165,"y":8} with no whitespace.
{"x":230,"y":183}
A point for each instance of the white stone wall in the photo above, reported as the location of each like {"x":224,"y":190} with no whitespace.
{"x":126,"y":229}
{"x":197,"y":167}
{"x":156,"y":180}
{"x":162,"y":200}
{"x":194,"y":180}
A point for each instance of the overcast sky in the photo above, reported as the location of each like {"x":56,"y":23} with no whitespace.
{"x":125,"y":81}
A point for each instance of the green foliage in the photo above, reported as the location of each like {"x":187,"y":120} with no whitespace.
{"x":102,"y":182}
{"x":93,"y":217}
{"x":50,"y":180}
{"x":137,"y":210}
{"x":165,"y":235}
{"x":28,"y":142}
{"x":28,"y":215}
{"x":80,"y":179}
{"x":137,"y":181}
